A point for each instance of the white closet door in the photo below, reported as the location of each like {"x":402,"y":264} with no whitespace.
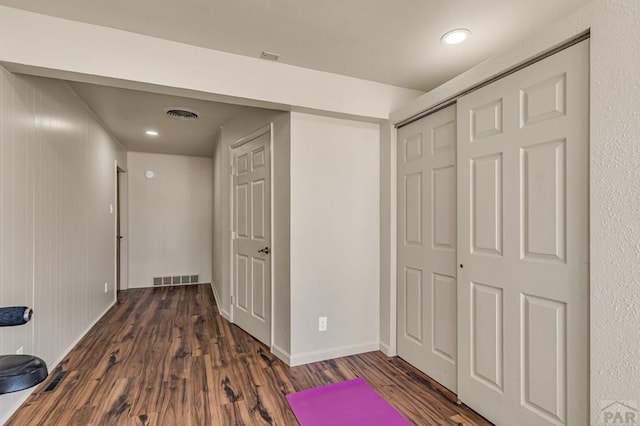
{"x":523,"y":286}
{"x":427,"y":329}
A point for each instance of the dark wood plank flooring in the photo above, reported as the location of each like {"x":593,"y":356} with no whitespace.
{"x":167,"y":357}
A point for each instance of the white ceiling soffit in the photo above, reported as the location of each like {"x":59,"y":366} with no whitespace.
{"x":390,"y":41}
{"x":128,"y":114}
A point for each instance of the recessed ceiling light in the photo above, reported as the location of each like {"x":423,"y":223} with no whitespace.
{"x":151,"y":133}
{"x":455,"y":36}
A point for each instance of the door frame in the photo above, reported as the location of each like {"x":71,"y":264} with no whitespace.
{"x":118,"y":212}
{"x":115,"y":211}
{"x":268,"y":128}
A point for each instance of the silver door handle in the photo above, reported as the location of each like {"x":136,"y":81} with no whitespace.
{"x":264,"y":250}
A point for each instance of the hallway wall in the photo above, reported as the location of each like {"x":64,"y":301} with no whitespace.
{"x":57,"y":231}
{"x":169,"y":217}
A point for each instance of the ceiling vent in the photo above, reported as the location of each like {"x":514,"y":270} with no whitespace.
{"x":182,"y":113}
{"x":270,"y":56}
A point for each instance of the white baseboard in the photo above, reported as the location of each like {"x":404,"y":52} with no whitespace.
{"x":131,"y":287}
{"x":385,"y":349}
{"x":215,"y":294}
{"x":281,"y":354}
{"x":53,"y":366}
{"x":315,"y":356}
{"x":225,"y":314}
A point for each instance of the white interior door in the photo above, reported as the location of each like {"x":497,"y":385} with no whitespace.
{"x":523,"y":284}
{"x":427,"y":329}
{"x":252,"y":235}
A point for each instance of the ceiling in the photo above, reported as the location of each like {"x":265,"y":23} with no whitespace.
{"x":391,"y":41}
{"x":129,"y":113}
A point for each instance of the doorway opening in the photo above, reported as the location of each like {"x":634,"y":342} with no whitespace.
{"x":251,"y":304}
{"x":119,"y":183}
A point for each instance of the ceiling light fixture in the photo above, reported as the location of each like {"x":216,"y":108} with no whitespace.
{"x":151,"y":133}
{"x":456,"y":36}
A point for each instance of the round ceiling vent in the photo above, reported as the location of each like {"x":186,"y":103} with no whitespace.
{"x":183,"y":113}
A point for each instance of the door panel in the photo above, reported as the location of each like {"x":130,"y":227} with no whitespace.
{"x":523,"y":286}
{"x":544,"y":385}
{"x":242,"y":282}
{"x":252,"y":233}
{"x":444,"y":202}
{"x":543,"y":201}
{"x":413,"y":305}
{"x":259,"y":268}
{"x":413,"y":209}
{"x":444,"y":317}
{"x":427,"y":312}
{"x":486,"y":338}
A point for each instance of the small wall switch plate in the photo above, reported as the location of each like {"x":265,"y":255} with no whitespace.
{"x":322,"y":323}
{"x":106,"y":288}
{"x":111,"y":208}
{"x":20,"y":350}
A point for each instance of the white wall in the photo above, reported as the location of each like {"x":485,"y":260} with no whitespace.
{"x":330,"y":185}
{"x":97,"y":54}
{"x":335,"y":237}
{"x":243,"y":124}
{"x":57,"y":235}
{"x":614,"y":186}
{"x":169,"y":217}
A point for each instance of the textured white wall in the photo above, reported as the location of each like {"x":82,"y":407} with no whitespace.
{"x":335,"y":236}
{"x":57,"y":235}
{"x":615,"y":203}
{"x":169,"y":217}
{"x":614,"y":186}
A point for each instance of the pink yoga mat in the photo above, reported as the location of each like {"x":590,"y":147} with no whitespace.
{"x":350,"y":403}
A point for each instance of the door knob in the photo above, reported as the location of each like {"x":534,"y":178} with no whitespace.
{"x":264,"y":250}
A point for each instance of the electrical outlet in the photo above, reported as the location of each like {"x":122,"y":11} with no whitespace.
{"x":20,"y":350}
{"x":106,"y":288}
{"x":322,"y":323}
{"x":110,"y":208}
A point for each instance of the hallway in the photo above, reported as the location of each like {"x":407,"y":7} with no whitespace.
{"x":166,"y":357}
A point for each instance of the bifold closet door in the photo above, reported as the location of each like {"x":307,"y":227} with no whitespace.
{"x":523,"y":286}
{"x":427,"y":328}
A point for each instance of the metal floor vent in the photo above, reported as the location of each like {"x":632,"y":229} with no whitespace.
{"x":176,"y":280}
{"x":53,"y":384}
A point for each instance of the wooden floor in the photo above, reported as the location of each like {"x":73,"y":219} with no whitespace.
{"x":166,"y":357}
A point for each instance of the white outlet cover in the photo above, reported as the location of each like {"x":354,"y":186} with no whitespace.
{"x":111,"y":208}
{"x":106,"y":287}
{"x":20,"y":350}
{"x":322,"y":323}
